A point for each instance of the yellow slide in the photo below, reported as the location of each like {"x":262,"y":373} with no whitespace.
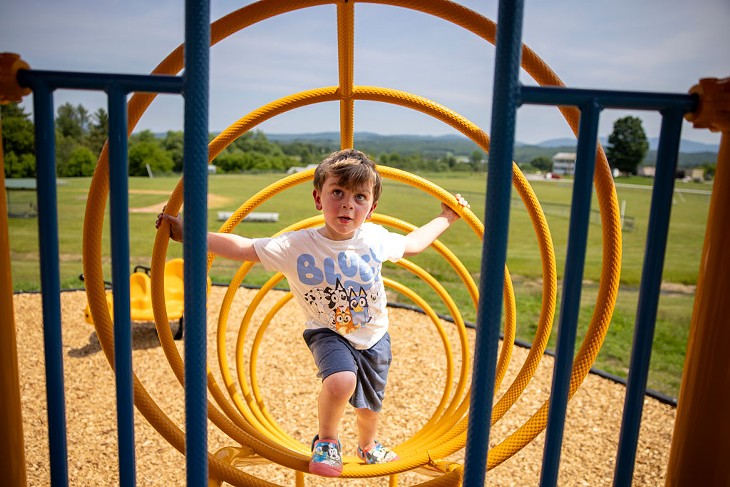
{"x":140,"y":296}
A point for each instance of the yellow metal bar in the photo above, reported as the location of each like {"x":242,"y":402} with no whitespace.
{"x":393,"y":480}
{"x":346,"y":55}
{"x":12,"y":446}
{"x":701,"y":440}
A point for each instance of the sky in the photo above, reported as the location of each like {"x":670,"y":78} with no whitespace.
{"x":649,"y":45}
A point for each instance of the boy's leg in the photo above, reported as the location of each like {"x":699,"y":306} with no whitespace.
{"x":367,"y":427}
{"x":326,"y":457}
{"x":368,"y":447}
{"x":336,"y":365}
{"x":336,"y":391}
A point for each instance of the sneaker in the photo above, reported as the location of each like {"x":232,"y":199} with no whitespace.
{"x":377,"y":454}
{"x":326,"y":458}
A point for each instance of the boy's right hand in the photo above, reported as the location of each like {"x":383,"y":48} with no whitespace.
{"x":175,"y":223}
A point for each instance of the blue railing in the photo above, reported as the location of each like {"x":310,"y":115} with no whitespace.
{"x":194,"y":87}
{"x":507,"y":97}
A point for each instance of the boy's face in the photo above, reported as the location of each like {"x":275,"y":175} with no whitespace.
{"x":344,"y":210}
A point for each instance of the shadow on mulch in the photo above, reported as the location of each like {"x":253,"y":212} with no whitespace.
{"x":144,"y":336}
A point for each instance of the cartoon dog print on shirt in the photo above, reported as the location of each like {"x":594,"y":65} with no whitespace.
{"x":343,"y":321}
{"x":344,"y":311}
{"x":359,"y":307}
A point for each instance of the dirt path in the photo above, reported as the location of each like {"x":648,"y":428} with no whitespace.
{"x":214,"y":201}
{"x":289,"y":389}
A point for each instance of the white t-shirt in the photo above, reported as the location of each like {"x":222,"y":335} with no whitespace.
{"x":337,"y":282}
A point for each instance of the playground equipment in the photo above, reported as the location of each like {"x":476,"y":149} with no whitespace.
{"x":465,"y":421}
{"x":140,"y":296}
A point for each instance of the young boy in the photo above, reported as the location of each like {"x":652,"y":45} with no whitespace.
{"x":334,"y":273}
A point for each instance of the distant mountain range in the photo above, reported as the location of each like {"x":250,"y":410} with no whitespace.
{"x":687,"y":146}
{"x":691,"y":153}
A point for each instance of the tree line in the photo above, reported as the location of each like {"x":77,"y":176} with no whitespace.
{"x":80,"y":137}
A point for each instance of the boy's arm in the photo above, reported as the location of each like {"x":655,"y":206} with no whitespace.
{"x":419,"y":239}
{"x":226,"y":245}
{"x":232,"y":246}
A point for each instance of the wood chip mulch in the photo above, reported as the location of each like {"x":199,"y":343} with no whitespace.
{"x":287,"y":379}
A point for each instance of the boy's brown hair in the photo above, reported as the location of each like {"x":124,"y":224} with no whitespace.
{"x":352,"y":169}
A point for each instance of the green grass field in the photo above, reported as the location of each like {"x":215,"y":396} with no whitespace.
{"x":689,"y":214}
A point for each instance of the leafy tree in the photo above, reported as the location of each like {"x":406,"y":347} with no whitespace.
{"x":98,"y":131}
{"x":393,"y":160}
{"x":148,"y":152}
{"x":72,"y":121}
{"x":144,"y":136}
{"x":475,"y":161}
{"x":627,"y":144}
{"x":542,"y":163}
{"x":81,"y":162}
{"x":173,"y":143}
{"x":304,"y":152}
{"x":230,"y":162}
{"x":65,"y":146}
{"x":259,"y":143}
{"x":450,"y":161}
{"x":72,"y":133}
{"x":19,"y":167}
{"x":18,"y":141}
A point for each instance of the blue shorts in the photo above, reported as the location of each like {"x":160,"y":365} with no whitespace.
{"x":333,"y":353}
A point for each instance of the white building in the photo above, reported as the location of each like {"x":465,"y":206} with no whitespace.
{"x":647,"y":171}
{"x":296,"y":169}
{"x":564,"y":163}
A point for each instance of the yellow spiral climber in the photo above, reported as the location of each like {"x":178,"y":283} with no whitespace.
{"x":238,"y":414}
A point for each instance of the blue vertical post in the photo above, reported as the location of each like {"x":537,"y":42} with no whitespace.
{"x":195,"y":192}
{"x":119,"y":216}
{"x":496,"y":226}
{"x":651,"y":280}
{"x":45,"y":141}
{"x":580,"y":213}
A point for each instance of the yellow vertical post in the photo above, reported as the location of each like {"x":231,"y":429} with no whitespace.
{"x":346,"y":54}
{"x":701,"y":442}
{"x":12,"y":445}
